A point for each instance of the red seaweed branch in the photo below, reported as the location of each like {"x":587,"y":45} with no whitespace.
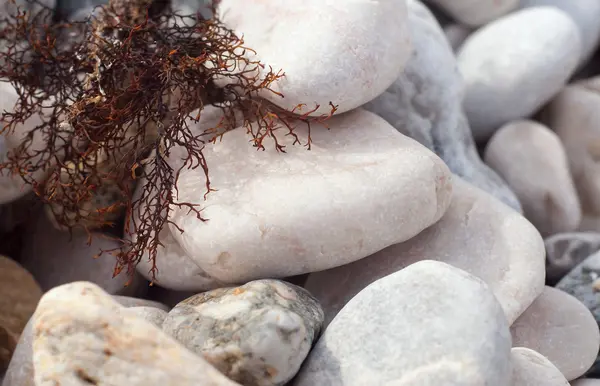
{"x":114,"y":96}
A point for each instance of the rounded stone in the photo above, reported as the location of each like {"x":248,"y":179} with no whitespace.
{"x":351,"y":51}
{"x":562,"y":329}
{"x":500,"y":89}
{"x":532,"y":159}
{"x":257,"y":334}
{"x":574,"y":115}
{"x":338,"y":202}
{"x":530,"y":368}
{"x":428,"y":324}
{"x":478,"y":234}
{"x":80,"y":337}
{"x":585,"y":13}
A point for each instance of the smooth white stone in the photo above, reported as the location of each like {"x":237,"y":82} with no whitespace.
{"x":344,"y":52}
{"x":362,"y":187}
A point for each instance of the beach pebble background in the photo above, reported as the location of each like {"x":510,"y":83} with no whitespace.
{"x":444,"y":229}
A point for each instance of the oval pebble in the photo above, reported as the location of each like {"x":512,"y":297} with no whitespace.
{"x":351,"y":50}
{"x":531,"y":368}
{"x":533,"y":161}
{"x":257,"y":334}
{"x":462,"y":336}
{"x":559,"y":327}
{"x":500,"y":89}
{"x":326,"y":199}
{"x":585,"y":13}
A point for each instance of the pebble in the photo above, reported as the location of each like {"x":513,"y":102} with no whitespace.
{"x":530,"y":368}
{"x":351,"y":51}
{"x":585,"y":13}
{"x":19,"y":296}
{"x":566,"y":250}
{"x":476,"y":13}
{"x":478,"y":234}
{"x":428,"y":324}
{"x":20,"y":370}
{"x":425,"y":103}
{"x":55,"y":258}
{"x":574,"y":115}
{"x":257,"y":334}
{"x":500,"y":89}
{"x":109,"y":348}
{"x":343,"y":200}
{"x":560,"y":328}
{"x":532,"y":159}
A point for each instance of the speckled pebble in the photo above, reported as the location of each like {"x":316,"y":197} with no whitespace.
{"x":257,"y":334}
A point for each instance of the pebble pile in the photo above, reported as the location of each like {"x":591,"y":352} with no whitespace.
{"x":444,"y":229}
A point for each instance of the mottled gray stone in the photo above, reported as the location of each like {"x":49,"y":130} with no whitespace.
{"x":565,"y":250}
{"x":81,"y":338}
{"x":429,"y":324}
{"x":531,"y":368}
{"x":582,"y":282}
{"x":425,"y":103}
{"x":257,"y":334}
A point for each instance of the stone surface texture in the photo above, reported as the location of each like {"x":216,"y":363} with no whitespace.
{"x":343,"y":200}
{"x":462,"y":338}
{"x":257,"y":334}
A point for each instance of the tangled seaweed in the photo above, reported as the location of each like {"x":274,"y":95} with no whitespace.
{"x":114,"y":96}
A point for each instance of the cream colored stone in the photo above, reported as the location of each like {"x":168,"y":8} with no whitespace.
{"x":344,"y":52}
{"x":585,"y":13}
{"x":530,"y":368}
{"x":475,"y":13}
{"x":81,"y":338}
{"x":575,"y":117}
{"x":533,"y":161}
{"x":478,"y":234}
{"x":515,"y":65}
{"x":362,"y":187}
{"x":560,"y":328}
